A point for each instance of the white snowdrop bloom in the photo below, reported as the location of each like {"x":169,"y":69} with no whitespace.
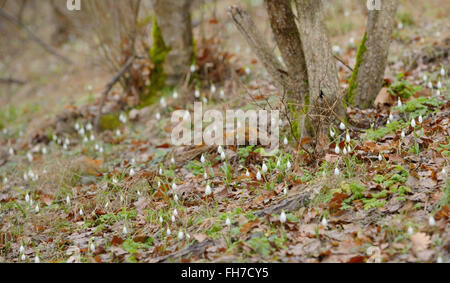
{"x":205,"y":100}
{"x":425,"y":78}
{"x":283,"y":217}
{"x":193,"y":68}
{"x":400,"y":25}
{"x":380,"y":157}
{"x":132,"y":173}
{"x":442,"y":71}
{"x":344,"y":151}
{"x":420,"y":119}
{"x":82,"y":132}
{"x":68,"y":200}
{"x":121,"y":198}
{"x":21,"y":249}
{"x":172,"y":218}
{"x":174,"y":186}
{"x":264,"y":168}
{"x":439,"y":259}
{"x":89,"y":127}
{"x":336,"y":171}
{"x":402,"y":134}
{"x":351,"y":40}
{"x":388,"y":122}
{"x":175,"y":212}
{"x":133,"y":161}
{"x":160,"y":219}
{"x":278,"y":163}
{"x":101,"y":149}
{"x":163,"y":102}
{"x":399,"y":102}
{"x":81,"y":212}
{"x":205,"y":175}
{"x":89,"y":88}
{"x":175,"y":95}
{"x":222,"y":155}
{"x":23,"y":257}
{"x":168,"y":232}
{"x":27,"y":198}
{"x":331,"y":133}
{"x":65,"y":145}
{"x":92,"y":247}
{"x":197,"y":93}
{"x":208,"y":190}
{"x":159,"y":184}
{"x":118,"y":133}
{"x":430,"y":85}
{"x":248,"y":71}
{"x":158,"y":116}
{"x":413,"y":123}
{"x":410,"y":230}
{"x":285,"y":141}
{"x":160,"y":171}
{"x":175,"y":198}
{"x":92,"y":137}
{"x":44,"y":150}
{"x":36,"y":209}
{"x":347,"y":137}
{"x":5,"y":180}
{"x":349,"y":149}
{"x":4,"y":131}
{"x":444,"y":172}
{"x":106,"y":205}
{"x":115,"y":181}
{"x":346,"y":14}
{"x":125,"y":231}
{"x":288,"y":165}
{"x":324,"y":222}
{"x":29,"y":157}
{"x":202,"y":159}
{"x":222,"y":93}
{"x":11,"y":151}
{"x":36,"y":259}
{"x":285,"y":191}
{"x":342,"y":126}
{"x":336,"y":49}
{"x":85,"y":140}
{"x":247,"y":174}
{"x":258,"y":176}
{"x":439,"y":84}
{"x":391,"y":117}
{"x":213,"y":89}
{"x":139,"y":193}
{"x":172,"y":160}
{"x":67,"y":141}
{"x":337,"y":150}
{"x":31,"y":202}
{"x":180,"y":235}
{"x":228,"y":222}
{"x":431,"y":221}
{"x":438,"y":92}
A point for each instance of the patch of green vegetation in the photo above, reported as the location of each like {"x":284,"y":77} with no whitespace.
{"x":352,"y":85}
{"x":265,"y":246}
{"x":133,"y":247}
{"x":381,"y":132}
{"x":420,"y":106}
{"x":406,"y":18}
{"x":110,"y":122}
{"x":244,"y":152}
{"x":196,"y":167}
{"x":403,"y":88}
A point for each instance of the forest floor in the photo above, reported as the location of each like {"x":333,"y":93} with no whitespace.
{"x":71,"y":194}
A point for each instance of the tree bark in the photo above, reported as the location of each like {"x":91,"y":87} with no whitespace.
{"x":174,"y":19}
{"x":325,"y":99}
{"x":369,"y":77}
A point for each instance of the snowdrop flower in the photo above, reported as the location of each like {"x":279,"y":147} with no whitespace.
{"x":92,"y":137}
{"x":31,"y":202}
{"x":420,"y":119}
{"x":44,"y":150}
{"x":324,"y":221}
{"x":438,"y":92}
{"x":247,"y":174}
{"x":82,"y":132}
{"x":208,"y":190}
{"x":115,"y":181}
{"x":342,"y":126}
{"x":283,"y":217}
{"x":101,"y":149}
{"x":391,"y":117}
{"x":264,"y":168}
{"x":202,"y":159}
{"x":444,"y":172}
{"x":21,"y":249}
{"x":197,"y":93}
{"x":36,"y":209}
{"x":220,"y":149}
{"x":160,"y":171}
{"x":68,"y":200}
{"x":285,"y":191}
{"x":336,"y":171}
{"x":175,"y":198}
{"x":163,"y":102}
{"x":213,"y":89}
{"x":288,"y":165}
{"x":337,"y":150}
{"x":118,"y":133}
{"x":175,"y":95}
{"x":121,"y":198}
{"x":430,"y":85}
{"x":403,"y":134}
{"x":442,"y":71}
{"x":159,"y":184}
{"x":278,"y":163}
{"x":36,"y":259}
{"x":336,"y":49}
{"x":425,"y":78}
{"x":158,"y":116}
{"x":351,"y":40}
{"x":89,"y":127}
{"x":388,"y":122}
{"x":205,"y":175}
{"x":248,"y":71}
{"x":132,"y":173}
{"x":11,"y":151}
{"x":222,"y":155}
{"x":168,"y":232}
{"x":30,"y":157}
{"x":174,"y":186}
{"x":413,"y":123}
{"x":85,"y":140}
{"x":180,"y":235}
{"x":160,"y":219}
{"x":125,"y":231}
{"x":285,"y":141}
{"x":89,"y":88}
{"x":65,"y":145}
{"x":205,"y":100}
{"x":349,"y":149}
{"x":173,"y":218}
{"x":400,"y":25}
{"x":5,"y":180}
{"x":139,"y":193}
{"x":175,"y":212}
{"x":344,"y":151}
{"x":439,"y":84}
{"x":92,"y":247}
{"x":228,"y":222}
{"x":439,"y":259}
{"x":193,"y":67}
{"x":347,"y":138}
{"x":431,"y":221}
{"x":81,"y":212}
{"x":380,"y":157}
{"x":27,"y":198}
{"x":172,"y":160}
{"x":258,"y":176}
{"x":23,"y":257}
{"x":222,"y":93}
{"x":410,"y":230}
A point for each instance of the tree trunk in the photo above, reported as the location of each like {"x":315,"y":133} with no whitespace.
{"x":324,"y":100}
{"x":174,"y":20}
{"x":373,"y":55}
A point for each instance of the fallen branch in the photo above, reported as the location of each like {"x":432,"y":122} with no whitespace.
{"x":110,"y":85}
{"x":33,"y":36}
{"x":290,"y":204}
{"x":195,"y":249}
{"x":12,"y":81}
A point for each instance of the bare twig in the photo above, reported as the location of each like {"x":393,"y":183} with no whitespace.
{"x":12,"y":81}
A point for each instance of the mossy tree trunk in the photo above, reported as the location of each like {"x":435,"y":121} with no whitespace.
{"x":174,"y":20}
{"x":372,"y":55}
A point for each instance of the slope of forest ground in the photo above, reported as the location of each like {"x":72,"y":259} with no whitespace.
{"x":71,"y":194}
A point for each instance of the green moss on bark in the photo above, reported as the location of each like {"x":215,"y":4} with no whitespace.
{"x":109,"y":122}
{"x":352,"y":84}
